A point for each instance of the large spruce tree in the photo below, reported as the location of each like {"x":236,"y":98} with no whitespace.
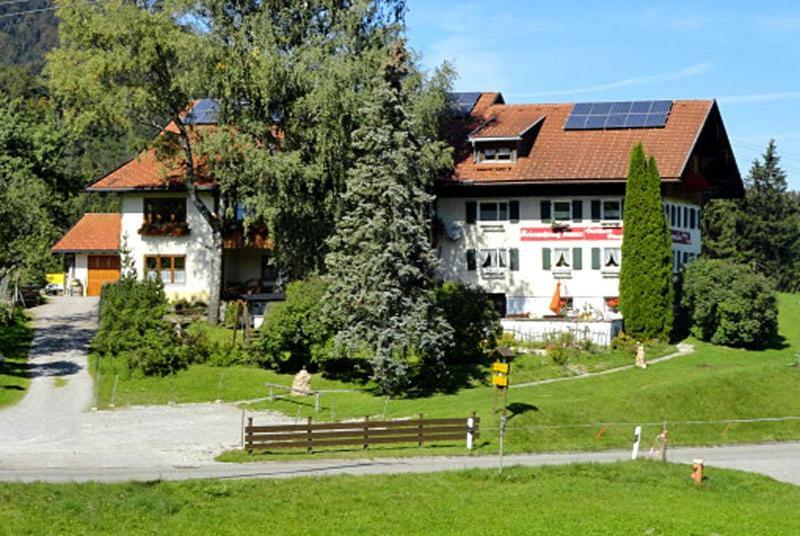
{"x":381,"y":265}
{"x":646,"y":279}
{"x":760,"y":230}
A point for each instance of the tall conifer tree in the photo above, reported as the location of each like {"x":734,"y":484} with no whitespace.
{"x":381,"y":266}
{"x":646,"y":279}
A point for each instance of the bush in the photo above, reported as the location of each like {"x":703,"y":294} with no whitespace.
{"x":128,"y":310}
{"x":132,"y":327}
{"x":729,"y":304}
{"x":293,"y":334}
{"x":475,"y":323}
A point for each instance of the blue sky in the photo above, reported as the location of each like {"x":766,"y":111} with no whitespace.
{"x":746,"y":54}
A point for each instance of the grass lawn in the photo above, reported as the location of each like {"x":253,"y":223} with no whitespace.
{"x":623,"y":498}
{"x":15,"y":341}
{"x":715,"y":383}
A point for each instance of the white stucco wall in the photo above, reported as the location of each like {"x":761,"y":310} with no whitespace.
{"x":193,"y":246}
{"x":80,"y":270}
{"x":531,"y":289}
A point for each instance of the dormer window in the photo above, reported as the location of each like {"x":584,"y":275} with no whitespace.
{"x":496,"y":154}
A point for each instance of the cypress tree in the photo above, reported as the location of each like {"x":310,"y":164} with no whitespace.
{"x":381,"y":265}
{"x":646,"y":279}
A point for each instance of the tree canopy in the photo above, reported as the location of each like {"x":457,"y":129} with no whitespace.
{"x":763,"y":229}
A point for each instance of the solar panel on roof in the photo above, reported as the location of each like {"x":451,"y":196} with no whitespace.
{"x":204,"y":112}
{"x":612,"y":115}
{"x":462,"y":103}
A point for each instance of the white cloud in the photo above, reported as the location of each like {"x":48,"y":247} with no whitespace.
{"x":758,"y":98}
{"x":692,"y":70}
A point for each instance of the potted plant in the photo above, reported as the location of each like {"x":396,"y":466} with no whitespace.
{"x":613,"y":304}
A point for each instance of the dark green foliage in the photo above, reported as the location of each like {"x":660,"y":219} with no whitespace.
{"x":132,"y":327}
{"x":293,"y":334}
{"x":381,"y":266}
{"x":128,"y":309}
{"x":35,"y":187}
{"x":475,"y":323}
{"x":729,"y":304}
{"x":24,"y":40}
{"x":646,"y":289}
{"x":760,"y":230}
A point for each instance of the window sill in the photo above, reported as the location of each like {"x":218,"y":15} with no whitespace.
{"x":610,"y":274}
{"x":493,"y":274}
{"x":611,"y":224}
{"x":493,"y":228}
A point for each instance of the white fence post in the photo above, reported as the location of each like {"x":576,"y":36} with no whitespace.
{"x":637,"y":436}
{"x":470,"y":432}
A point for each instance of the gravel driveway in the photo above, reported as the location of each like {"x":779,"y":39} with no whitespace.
{"x":53,"y":426}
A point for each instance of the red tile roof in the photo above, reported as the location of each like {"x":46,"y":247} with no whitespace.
{"x":93,"y":232}
{"x":579,"y":155}
{"x":148,"y":172}
{"x":507,"y":122}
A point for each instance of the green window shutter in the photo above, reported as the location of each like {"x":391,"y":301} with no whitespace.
{"x":577,"y":258}
{"x":546,"y":210}
{"x":577,"y":210}
{"x":596,"y":216}
{"x":595,"y":258}
{"x":472,"y":211}
{"x":545,"y":258}
{"x":471,"y":260}
{"x":513,"y":211}
{"x":513,"y":257}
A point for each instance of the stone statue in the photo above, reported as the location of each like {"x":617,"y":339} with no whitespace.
{"x":640,"y":362}
{"x":301,"y":386}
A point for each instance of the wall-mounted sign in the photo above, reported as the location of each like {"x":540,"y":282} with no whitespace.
{"x":681,"y":237}
{"x":535,"y":234}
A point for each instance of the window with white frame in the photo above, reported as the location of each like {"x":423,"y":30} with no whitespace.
{"x":612,"y":258}
{"x":493,"y":211}
{"x":562,"y":258}
{"x":562,"y":210}
{"x":496,"y":154}
{"x":612,"y":210}
{"x":494,"y":260}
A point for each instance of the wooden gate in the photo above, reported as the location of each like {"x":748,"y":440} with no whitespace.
{"x":102,"y":269}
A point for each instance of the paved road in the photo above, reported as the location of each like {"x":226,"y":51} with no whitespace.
{"x":52,"y":426}
{"x":51,"y":436}
{"x":780,"y":461}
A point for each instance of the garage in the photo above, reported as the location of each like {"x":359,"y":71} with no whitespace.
{"x":102,"y":269}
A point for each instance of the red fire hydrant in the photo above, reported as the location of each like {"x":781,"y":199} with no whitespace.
{"x":697,"y":468}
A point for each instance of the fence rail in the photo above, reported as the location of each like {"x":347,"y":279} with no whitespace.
{"x":599,"y":337}
{"x":360,"y":433}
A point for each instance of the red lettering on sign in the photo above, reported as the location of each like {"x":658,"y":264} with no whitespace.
{"x":681,"y":237}
{"x":534,"y":234}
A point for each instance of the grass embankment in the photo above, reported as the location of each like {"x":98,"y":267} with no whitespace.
{"x":622,"y":498}
{"x":715,"y":383}
{"x":15,"y":340}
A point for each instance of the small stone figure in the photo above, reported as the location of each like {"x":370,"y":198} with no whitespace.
{"x":301,"y":386}
{"x":640,"y":362}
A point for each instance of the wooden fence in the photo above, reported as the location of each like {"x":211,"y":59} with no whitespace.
{"x":364,"y":433}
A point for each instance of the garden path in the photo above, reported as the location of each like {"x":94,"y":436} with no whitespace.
{"x":683,"y":349}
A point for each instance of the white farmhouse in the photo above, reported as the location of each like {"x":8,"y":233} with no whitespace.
{"x":534,"y":210}
{"x":165,"y":234}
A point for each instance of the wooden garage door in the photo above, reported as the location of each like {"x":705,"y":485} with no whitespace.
{"x":102,"y":269}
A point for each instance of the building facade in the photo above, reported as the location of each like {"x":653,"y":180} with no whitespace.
{"x":534,"y":211}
